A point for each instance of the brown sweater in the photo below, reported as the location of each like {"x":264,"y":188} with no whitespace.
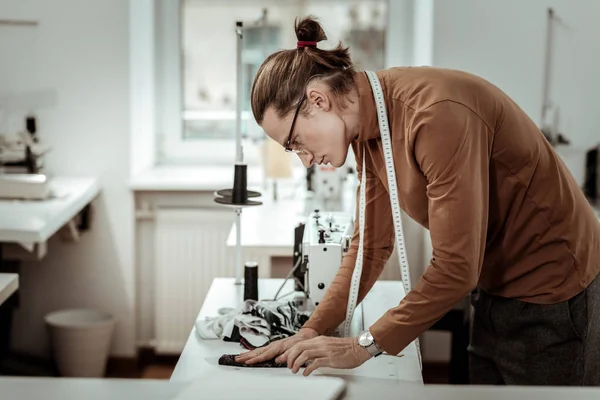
{"x":502,"y":209}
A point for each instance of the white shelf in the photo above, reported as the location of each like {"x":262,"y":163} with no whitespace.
{"x":26,"y":221}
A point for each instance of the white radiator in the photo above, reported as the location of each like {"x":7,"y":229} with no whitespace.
{"x":190,"y":250}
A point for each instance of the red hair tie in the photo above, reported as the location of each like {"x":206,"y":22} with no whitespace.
{"x":306,"y":43}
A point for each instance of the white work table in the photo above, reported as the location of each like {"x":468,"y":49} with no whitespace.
{"x":21,"y":388}
{"x":27,"y":221}
{"x":269,"y":228}
{"x":197,"y":178}
{"x":9,"y":283}
{"x":200,"y":356}
{"x":199,"y":359}
{"x":17,"y":388}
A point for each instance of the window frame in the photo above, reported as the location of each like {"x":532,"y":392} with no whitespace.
{"x":172,"y":147}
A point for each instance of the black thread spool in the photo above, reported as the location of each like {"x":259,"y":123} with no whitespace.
{"x":240,"y":191}
{"x":251,"y":281}
{"x":239,"y":194}
{"x":30,"y":126}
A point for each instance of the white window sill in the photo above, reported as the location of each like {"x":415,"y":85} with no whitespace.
{"x":201,"y":178}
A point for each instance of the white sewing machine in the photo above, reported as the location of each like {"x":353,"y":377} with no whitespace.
{"x":24,"y":186}
{"x":325,"y":239}
{"x":21,"y":166}
{"x":326,"y":182}
{"x":320,"y":245}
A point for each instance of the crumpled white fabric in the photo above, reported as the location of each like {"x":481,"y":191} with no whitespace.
{"x":213,"y":327}
{"x":254,"y":329}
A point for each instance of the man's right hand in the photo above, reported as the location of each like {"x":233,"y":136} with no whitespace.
{"x":277,"y":348}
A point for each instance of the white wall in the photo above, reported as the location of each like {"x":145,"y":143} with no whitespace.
{"x":143,"y":85}
{"x":79,"y":50}
{"x":423,"y":32}
{"x":504,"y":41}
{"x":399,"y":40}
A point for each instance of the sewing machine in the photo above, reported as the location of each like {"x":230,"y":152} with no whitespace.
{"x":318,"y":250}
{"x":326,"y":183}
{"x":21,"y":165}
{"x":24,"y":186}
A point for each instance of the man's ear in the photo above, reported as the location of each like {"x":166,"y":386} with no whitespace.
{"x":319,"y":96}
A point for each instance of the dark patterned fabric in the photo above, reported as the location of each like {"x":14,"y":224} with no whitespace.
{"x":284,"y":318}
{"x":273,"y":320}
{"x":229,"y":360}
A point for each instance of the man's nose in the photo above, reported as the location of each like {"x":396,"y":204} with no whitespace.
{"x":307,"y":159}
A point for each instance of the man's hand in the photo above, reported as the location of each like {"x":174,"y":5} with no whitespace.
{"x":276,"y":348}
{"x":322,"y":351}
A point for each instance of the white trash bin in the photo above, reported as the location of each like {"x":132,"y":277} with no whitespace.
{"x":80,"y":341}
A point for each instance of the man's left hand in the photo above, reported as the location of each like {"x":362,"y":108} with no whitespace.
{"x":323,"y":351}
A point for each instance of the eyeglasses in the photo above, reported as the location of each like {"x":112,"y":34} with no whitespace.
{"x":289,"y":139}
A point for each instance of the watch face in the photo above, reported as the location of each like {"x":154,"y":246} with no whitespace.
{"x":365,"y":339}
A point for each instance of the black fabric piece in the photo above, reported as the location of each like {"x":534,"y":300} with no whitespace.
{"x":284,"y":320}
{"x":249,"y":345}
{"x":229,"y":360}
{"x":235,"y":335}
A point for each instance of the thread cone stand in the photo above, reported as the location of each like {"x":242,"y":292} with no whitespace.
{"x":238,"y":199}
{"x":238,"y":196}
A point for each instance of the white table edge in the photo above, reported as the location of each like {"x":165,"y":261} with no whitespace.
{"x":87,"y":197}
{"x":10,"y":288}
{"x":21,"y":236}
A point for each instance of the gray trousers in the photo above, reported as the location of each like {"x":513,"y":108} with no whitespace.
{"x":517,"y":343}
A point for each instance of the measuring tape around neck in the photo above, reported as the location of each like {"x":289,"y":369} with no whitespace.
{"x":395,"y":205}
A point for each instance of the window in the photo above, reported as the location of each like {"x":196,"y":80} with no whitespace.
{"x":197,"y":65}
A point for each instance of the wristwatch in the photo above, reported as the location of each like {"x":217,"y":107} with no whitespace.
{"x":366,"y":341}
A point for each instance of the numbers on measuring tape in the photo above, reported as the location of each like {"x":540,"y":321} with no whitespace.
{"x":395,"y":205}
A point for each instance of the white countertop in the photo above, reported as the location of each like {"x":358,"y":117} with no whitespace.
{"x":200,"y":356}
{"x":21,"y":388}
{"x":270,"y":226}
{"x":27,"y":221}
{"x":193,"y":364}
{"x":186,"y":178}
{"x":203,"y":178}
{"x":9,"y":283}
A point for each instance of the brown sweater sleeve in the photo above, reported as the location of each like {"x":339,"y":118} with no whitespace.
{"x":378,"y":246}
{"x":450,"y":145}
